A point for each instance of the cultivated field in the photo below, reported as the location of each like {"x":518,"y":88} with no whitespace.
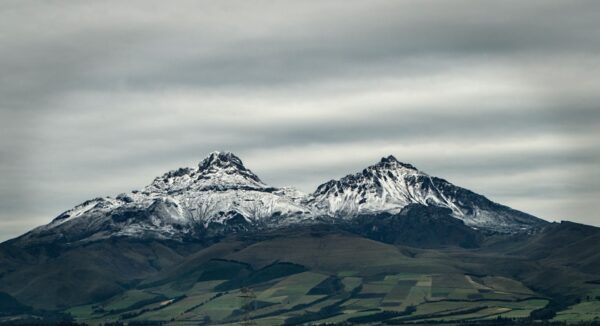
{"x":287,"y":294}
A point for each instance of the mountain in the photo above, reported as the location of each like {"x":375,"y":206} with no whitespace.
{"x":221,"y":196}
{"x":214,"y":244}
{"x":391,"y":185}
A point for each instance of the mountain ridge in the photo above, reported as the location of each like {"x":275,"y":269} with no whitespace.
{"x":166,"y":253}
{"x":221,"y":195}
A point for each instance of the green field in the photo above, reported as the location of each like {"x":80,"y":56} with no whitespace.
{"x":332,"y":279}
{"x":587,"y":311}
{"x":321,"y":297}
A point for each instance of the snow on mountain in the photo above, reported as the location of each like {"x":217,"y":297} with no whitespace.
{"x":218,"y":172}
{"x":222,"y":194}
{"x":385,"y":186}
{"x":221,"y":190}
{"x":390,"y":185}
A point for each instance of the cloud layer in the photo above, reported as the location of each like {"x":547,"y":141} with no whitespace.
{"x":499,"y":97}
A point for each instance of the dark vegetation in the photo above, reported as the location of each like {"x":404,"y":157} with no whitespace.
{"x":10,"y":306}
{"x":273,"y":271}
{"x":143,"y":303}
{"x":381,"y":316}
{"x":561,"y":262}
{"x":417,"y":226}
{"x":329,"y":286}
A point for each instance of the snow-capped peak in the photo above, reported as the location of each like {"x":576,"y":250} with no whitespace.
{"x":219,"y":163}
{"x":221,"y":160}
{"x":218,"y":171}
{"x":379,"y":187}
{"x":388,"y":169}
{"x":390,"y":162}
{"x":390,"y":185}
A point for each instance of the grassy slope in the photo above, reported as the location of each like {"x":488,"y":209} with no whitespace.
{"x":374,"y":277}
{"x":87,"y":273}
{"x":365,"y":277}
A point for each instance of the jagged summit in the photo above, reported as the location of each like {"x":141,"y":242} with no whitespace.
{"x":221,"y":160}
{"x":225,"y":163}
{"x":218,"y":171}
{"x":390,"y":162}
{"x":379,"y":187}
{"x":387,"y":168}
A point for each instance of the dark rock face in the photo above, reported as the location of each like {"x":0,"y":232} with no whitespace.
{"x":224,"y":161}
{"x":418,"y":226}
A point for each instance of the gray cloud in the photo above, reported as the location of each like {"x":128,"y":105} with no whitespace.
{"x":500,"y":97}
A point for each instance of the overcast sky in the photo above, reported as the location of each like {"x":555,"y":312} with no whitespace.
{"x":99,"y":97}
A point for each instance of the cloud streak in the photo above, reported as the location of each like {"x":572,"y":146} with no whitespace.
{"x":500,"y":97}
